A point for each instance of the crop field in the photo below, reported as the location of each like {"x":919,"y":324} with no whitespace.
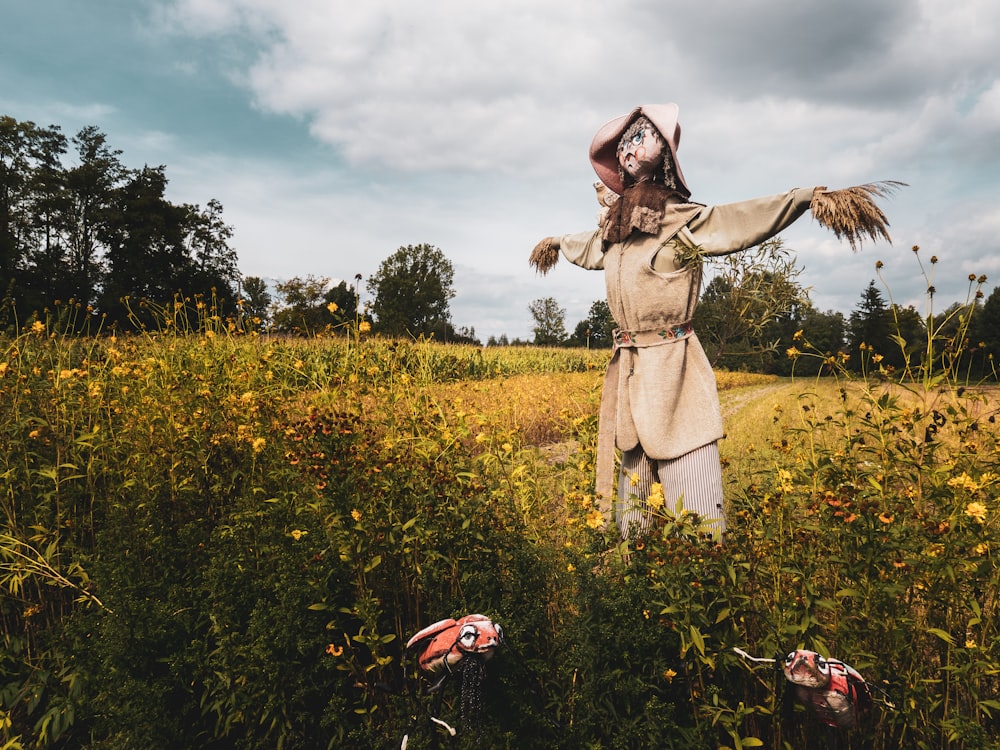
{"x":214,"y":540}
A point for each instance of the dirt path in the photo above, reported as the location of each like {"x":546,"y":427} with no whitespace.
{"x":735,"y":399}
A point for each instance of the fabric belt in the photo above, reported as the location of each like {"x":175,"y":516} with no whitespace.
{"x":653,"y":337}
{"x":626,"y":342}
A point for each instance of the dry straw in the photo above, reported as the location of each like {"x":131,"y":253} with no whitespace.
{"x":545,"y":255}
{"x":852,"y":213}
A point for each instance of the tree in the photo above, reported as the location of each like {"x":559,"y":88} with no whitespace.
{"x":32,"y":254}
{"x":207,"y":239}
{"x":91,"y":187}
{"x":750,"y":305}
{"x":304,"y":306}
{"x":869,"y":325}
{"x":550,"y":322}
{"x":147,"y":259}
{"x":256,"y":300}
{"x":986,"y":331}
{"x":412,"y":289}
{"x":597,"y":329}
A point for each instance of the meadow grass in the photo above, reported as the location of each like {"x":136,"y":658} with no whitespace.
{"x":219,"y":540}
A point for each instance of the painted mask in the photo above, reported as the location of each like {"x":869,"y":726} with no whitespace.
{"x":641,"y":150}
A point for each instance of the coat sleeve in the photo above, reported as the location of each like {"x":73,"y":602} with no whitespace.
{"x":719,"y":230}
{"x":583,"y":249}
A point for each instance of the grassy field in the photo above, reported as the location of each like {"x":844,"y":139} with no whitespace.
{"x":212,"y":540}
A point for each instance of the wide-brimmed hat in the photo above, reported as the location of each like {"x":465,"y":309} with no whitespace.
{"x":604,"y":147}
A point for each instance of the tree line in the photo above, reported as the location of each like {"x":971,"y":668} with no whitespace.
{"x":97,"y":233}
{"x":78,"y":226}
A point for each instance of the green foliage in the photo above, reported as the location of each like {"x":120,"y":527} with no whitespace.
{"x":549,"y":326}
{"x":96,"y":231}
{"x":413,"y":289}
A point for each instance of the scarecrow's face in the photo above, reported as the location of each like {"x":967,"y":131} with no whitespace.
{"x":640,"y":151}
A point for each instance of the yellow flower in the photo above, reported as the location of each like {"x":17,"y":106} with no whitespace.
{"x":258,"y":444}
{"x":655,"y":499}
{"x":594,"y":519}
{"x":297,"y":534}
{"x":356,"y":514}
{"x":38,"y":327}
{"x":969,"y":643}
{"x":364,"y":326}
{"x":634,"y":479}
{"x":976,"y":511}
{"x":332,"y":307}
{"x":792,"y":352}
{"x":669,"y":675}
{"x":570,"y":568}
{"x":334,"y":650}
{"x":963,"y":481}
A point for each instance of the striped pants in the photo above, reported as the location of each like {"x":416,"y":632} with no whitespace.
{"x":696,"y":477}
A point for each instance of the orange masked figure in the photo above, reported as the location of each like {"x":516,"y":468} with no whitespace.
{"x":445,"y":643}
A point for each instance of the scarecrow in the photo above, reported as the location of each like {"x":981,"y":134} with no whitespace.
{"x":660,"y":405}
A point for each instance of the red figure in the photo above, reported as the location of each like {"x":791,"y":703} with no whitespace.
{"x":835,"y":691}
{"x":445,"y":643}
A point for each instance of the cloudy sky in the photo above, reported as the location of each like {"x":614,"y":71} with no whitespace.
{"x":335,"y":132}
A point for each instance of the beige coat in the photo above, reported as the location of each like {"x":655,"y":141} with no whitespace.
{"x":659,"y":390}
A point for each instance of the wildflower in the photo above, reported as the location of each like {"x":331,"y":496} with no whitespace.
{"x":594,"y":519}
{"x":655,"y":499}
{"x":38,"y":327}
{"x":879,"y":264}
{"x":792,"y":352}
{"x":570,"y":568}
{"x":982,"y":548}
{"x":970,"y":643}
{"x":885,"y":517}
{"x":797,"y":336}
{"x":669,"y":675}
{"x":785,"y":480}
{"x":877,"y":358}
{"x":332,"y":307}
{"x":507,"y":447}
{"x":334,"y":650}
{"x":965,"y":482}
{"x":634,"y":479}
{"x":258,"y":444}
{"x":364,"y":326}
{"x":976,"y":511}
{"x":356,"y":514}
{"x":297,"y":534}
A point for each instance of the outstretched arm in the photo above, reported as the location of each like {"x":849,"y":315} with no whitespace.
{"x":582,"y":249}
{"x":719,"y":230}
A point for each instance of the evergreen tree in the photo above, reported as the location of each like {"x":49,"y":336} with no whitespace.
{"x":869,"y":326}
